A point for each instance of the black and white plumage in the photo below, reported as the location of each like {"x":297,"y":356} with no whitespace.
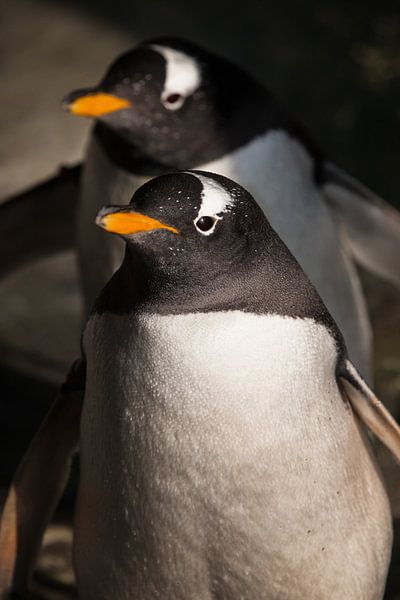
{"x":235,"y":437}
{"x":188,"y":108}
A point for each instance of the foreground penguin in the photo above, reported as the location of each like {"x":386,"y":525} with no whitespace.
{"x":222,"y":450}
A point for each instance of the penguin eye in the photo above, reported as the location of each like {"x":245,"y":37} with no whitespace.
{"x":173,"y":98}
{"x":205,"y":225}
{"x":173,"y":101}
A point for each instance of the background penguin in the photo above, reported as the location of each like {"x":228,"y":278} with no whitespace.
{"x":220,"y":448}
{"x":169,"y":104}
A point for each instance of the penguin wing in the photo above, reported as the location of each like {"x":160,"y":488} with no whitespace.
{"x":371,"y":225}
{"x":37,"y":486}
{"x":39,"y":221}
{"x":369,"y":409}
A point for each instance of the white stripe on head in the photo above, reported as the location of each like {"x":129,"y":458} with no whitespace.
{"x":215,"y":200}
{"x":182,"y":75}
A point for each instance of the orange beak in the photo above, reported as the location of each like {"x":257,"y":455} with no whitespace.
{"x":126,"y":222}
{"x":94,"y":104}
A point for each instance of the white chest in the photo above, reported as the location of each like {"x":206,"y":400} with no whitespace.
{"x":226,"y":386}
{"x":232,"y":356}
{"x":222,"y":435}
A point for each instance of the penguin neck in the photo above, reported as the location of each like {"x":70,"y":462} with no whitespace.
{"x":126,"y":154}
{"x":254,"y":287}
{"x":242,"y":121}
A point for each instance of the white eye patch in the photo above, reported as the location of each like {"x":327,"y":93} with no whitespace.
{"x":215,"y":201}
{"x":182,"y":77}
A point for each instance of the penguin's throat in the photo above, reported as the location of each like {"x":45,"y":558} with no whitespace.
{"x":126,"y":154}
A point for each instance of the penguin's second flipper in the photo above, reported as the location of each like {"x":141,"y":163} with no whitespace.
{"x":369,"y":409}
{"x":39,"y":221}
{"x":38,"y":485}
{"x":371,"y":225}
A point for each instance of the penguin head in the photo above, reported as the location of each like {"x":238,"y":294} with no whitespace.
{"x":190,"y":223}
{"x":170,"y":98}
{"x":198,"y":242}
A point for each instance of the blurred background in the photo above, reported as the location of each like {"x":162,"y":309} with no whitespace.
{"x":335,"y":65}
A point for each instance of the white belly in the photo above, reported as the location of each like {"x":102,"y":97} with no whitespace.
{"x":277,"y":172}
{"x":222,"y":462}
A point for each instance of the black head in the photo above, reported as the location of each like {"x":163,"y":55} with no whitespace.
{"x":178,"y":103}
{"x":197,"y":241}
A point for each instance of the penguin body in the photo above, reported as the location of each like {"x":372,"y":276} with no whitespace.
{"x":217,"y":483}
{"x":219,"y":455}
{"x":227,"y":123}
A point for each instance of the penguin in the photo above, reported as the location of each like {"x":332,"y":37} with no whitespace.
{"x":169,"y":104}
{"x":222,"y":437}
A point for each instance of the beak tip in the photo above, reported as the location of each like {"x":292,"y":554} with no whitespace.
{"x":66,"y":106}
{"x":99,"y":221}
{"x":70,"y":99}
{"x":101,"y":216}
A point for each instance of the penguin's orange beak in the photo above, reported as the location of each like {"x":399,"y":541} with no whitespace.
{"x":125,"y":222}
{"x":89,"y":103}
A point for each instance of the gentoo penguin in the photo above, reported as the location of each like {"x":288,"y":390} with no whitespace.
{"x":169,"y":104}
{"x":222,"y":449}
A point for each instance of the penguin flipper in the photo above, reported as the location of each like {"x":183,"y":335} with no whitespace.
{"x":371,"y":225}
{"x":39,"y":221}
{"x":369,"y":409}
{"x":38,"y":485}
